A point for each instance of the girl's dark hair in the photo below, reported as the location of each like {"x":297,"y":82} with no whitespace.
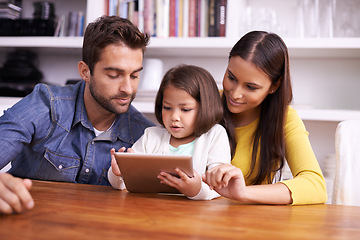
{"x":269,"y":53}
{"x":199,"y":84}
{"x":108,"y":30}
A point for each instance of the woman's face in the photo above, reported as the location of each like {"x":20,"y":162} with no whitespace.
{"x":245,"y":87}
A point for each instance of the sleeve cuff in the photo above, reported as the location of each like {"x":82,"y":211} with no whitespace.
{"x":116,"y":181}
{"x":205,"y":193}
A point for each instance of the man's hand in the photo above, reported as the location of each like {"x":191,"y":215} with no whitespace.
{"x":14,"y":194}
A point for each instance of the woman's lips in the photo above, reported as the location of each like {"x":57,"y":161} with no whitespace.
{"x":232,"y":102}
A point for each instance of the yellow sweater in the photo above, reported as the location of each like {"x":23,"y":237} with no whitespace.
{"x":308,"y":184}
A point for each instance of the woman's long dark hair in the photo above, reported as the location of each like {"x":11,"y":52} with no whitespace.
{"x":269,"y":53}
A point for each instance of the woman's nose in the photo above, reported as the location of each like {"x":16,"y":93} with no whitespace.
{"x":237,"y":93}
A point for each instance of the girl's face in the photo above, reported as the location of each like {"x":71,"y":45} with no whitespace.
{"x":245,"y":87}
{"x":179,"y":114}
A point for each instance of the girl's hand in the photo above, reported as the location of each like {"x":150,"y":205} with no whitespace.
{"x":190,"y":187}
{"x":114,"y":166}
{"x":227,"y":180}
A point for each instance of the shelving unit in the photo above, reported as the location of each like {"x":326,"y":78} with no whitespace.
{"x":325,"y":72}
{"x":201,"y":47}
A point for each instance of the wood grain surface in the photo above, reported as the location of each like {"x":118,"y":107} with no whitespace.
{"x":78,"y":211}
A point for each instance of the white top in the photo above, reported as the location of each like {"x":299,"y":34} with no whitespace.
{"x":347,"y":178}
{"x":211,"y":148}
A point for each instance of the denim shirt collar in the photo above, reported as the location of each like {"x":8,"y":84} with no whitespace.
{"x":120,"y":129}
{"x":80,"y":111}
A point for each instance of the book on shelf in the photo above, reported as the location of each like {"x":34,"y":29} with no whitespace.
{"x":70,"y":25}
{"x":173,"y":18}
{"x":192,"y":18}
{"x":217,"y":18}
{"x":9,"y":10}
{"x":220,"y":11}
{"x":149,"y":17}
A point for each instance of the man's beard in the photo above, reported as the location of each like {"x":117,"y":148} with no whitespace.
{"x":106,"y":103}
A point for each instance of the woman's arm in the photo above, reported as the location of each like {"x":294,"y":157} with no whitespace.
{"x":228,"y":181}
{"x":308,"y":183}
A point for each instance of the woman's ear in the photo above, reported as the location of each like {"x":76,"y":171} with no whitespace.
{"x":275,"y":86}
{"x":84,"y":71}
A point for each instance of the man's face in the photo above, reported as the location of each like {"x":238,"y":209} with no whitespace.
{"x":115,"y":78}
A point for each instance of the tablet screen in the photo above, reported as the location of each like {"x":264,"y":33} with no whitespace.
{"x":140,"y":170}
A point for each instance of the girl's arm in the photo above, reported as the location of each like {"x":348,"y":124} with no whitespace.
{"x":114,"y":174}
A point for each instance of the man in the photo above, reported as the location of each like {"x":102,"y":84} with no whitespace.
{"x":66,"y":133}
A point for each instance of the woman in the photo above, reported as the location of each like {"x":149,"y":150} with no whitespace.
{"x":264,"y":130}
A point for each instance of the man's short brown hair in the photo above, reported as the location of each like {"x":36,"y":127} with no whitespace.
{"x":108,"y":30}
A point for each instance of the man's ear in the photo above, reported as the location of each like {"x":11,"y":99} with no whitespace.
{"x":84,"y":71}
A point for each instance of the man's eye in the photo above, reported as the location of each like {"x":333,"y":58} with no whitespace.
{"x":112,"y":76}
{"x":134,"y":76}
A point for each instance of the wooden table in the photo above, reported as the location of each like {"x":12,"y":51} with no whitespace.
{"x":77,"y":211}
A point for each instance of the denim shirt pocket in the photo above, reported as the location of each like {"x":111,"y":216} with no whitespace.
{"x":55,"y":167}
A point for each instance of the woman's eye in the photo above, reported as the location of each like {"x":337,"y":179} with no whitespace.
{"x":252,"y":88}
{"x":186,"y":109}
{"x":166,"y":108}
{"x":231,"y":78}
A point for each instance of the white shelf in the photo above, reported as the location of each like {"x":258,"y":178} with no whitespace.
{"x":331,"y":115}
{"x":7,"y":102}
{"x":42,"y":42}
{"x":201,"y":47}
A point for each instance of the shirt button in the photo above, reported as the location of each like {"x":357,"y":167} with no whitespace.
{"x":92,"y":143}
{"x":60,"y":166}
{"x":87,"y":170}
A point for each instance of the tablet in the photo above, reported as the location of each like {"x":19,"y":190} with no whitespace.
{"x":140,"y":170}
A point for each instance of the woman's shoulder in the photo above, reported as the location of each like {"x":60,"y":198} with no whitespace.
{"x":293,"y":120}
{"x":292,"y":114}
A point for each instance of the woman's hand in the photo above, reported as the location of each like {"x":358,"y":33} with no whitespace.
{"x":14,"y":194}
{"x":190,"y":187}
{"x":227,"y":180}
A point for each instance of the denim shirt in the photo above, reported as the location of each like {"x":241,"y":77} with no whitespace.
{"x":48,"y":136}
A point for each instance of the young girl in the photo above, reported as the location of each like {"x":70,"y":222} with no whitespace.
{"x":189,"y":108}
{"x":265,"y":130}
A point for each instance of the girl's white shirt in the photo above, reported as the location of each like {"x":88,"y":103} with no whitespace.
{"x":211,"y":148}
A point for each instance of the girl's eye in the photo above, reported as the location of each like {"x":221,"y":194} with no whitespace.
{"x":186,"y":109}
{"x":166,"y":108}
